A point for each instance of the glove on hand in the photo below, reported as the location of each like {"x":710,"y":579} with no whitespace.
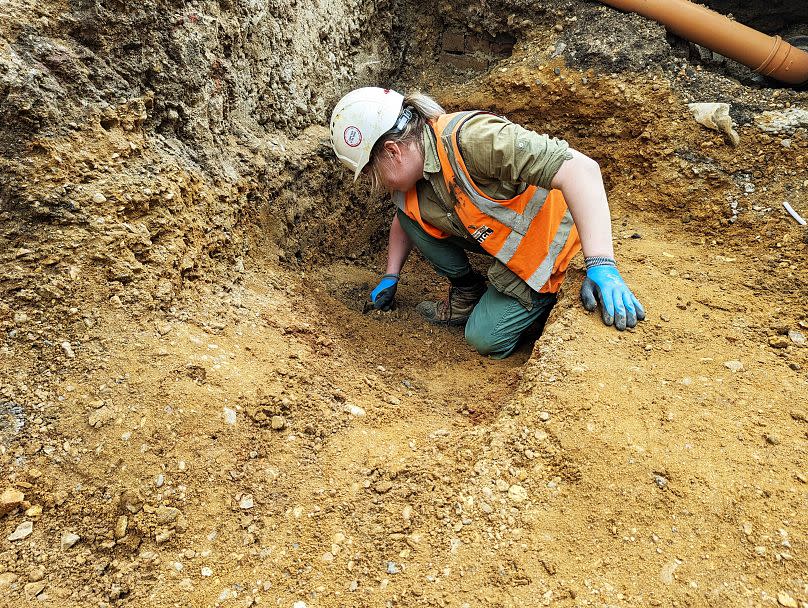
{"x":604,"y":285}
{"x":382,"y":297}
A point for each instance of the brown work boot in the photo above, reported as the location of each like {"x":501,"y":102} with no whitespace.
{"x":456,"y":310}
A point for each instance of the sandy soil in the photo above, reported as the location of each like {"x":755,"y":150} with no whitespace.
{"x":266,"y":442}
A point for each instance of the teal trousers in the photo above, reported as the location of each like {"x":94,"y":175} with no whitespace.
{"x":499,"y":323}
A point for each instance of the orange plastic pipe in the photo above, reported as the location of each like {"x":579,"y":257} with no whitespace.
{"x":767,"y":55}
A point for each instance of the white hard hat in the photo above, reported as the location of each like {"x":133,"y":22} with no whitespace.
{"x":358,"y":121}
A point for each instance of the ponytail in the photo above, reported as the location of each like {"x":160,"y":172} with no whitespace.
{"x":424,"y":109}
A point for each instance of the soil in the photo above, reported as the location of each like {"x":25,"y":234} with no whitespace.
{"x":199,"y":410}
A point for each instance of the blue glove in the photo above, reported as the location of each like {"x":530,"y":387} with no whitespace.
{"x":382,"y":297}
{"x":604,"y":285}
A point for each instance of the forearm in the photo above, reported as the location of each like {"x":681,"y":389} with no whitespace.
{"x":581,"y":182}
{"x":399,"y":246}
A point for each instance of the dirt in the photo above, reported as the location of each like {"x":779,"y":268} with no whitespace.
{"x":198,"y":412}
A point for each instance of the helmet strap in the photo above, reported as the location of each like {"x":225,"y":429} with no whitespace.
{"x":401,"y":122}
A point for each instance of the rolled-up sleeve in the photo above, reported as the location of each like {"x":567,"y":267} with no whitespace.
{"x":496,"y":149}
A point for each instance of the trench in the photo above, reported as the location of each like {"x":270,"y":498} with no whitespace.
{"x":343,"y":250}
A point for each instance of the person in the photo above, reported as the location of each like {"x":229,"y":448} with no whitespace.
{"x":473,"y":181}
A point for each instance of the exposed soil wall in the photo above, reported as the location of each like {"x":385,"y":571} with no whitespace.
{"x":140,"y":144}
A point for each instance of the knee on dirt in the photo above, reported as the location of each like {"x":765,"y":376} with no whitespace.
{"x":484,"y":342}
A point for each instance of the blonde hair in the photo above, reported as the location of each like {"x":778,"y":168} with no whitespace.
{"x":424,"y":109}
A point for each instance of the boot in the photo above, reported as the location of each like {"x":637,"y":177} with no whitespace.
{"x":455,"y":310}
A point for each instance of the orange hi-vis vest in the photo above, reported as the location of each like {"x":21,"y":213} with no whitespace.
{"x":533,"y":233}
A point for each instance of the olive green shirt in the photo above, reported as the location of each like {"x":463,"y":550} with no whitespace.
{"x":502,"y":158}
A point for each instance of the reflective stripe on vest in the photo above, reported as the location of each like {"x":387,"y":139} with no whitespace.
{"x":533,"y":233}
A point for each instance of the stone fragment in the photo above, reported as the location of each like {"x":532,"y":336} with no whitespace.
{"x":163,"y":327}
{"x":68,"y":350}
{"x":796,"y":337}
{"x":206,"y":571}
{"x":34,"y":512}
{"x":784,"y":599}
{"x":99,"y":198}
{"x":226,"y":595}
{"x":121,"y":525}
{"x":782,"y":121}
{"x":165,"y":515}
{"x":33,"y":589}
{"x":229,"y":416}
{"x":23,"y":531}
{"x":666,"y":574}
{"x":517,"y":493}
{"x":10,"y":499}
{"x":7,"y":579}
{"x":69,"y":539}
{"x":778,"y":342}
{"x":354,"y":410}
{"x":382,"y":487}
{"x":100,"y":417}
{"x":747,"y":528}
{"x":163,"y":536}
{"x":246,"y":502}
{"x":278,"y":423}
{"x":734,"y":366}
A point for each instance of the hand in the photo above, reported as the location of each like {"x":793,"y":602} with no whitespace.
{"x":604,"y":285}
{"x":382,"y":297}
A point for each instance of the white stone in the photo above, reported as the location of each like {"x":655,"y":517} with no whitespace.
{"x":782,"y":121}
{"x":23,"y":530}
{"x":666,"y":574}
{"x":517,"y":493}
{"x":205,"y":571}
{"x":229,"y":415}
{"x":246,"y":502}
{"x":68,"y":349}
{"x":734,"y":366}
{"x":354,"y":410}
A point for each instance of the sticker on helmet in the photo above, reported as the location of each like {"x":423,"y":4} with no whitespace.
{"x":353,"y":136}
